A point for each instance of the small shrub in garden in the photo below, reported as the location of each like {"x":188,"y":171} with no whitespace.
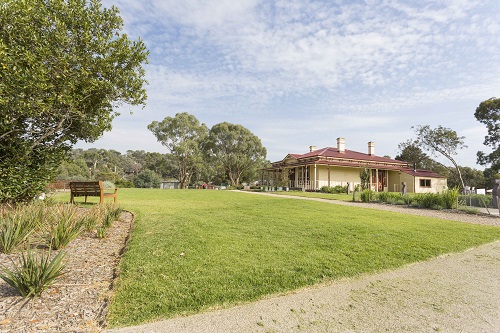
{"x":33,"y":273}
{"x":400,"y":202}
{"x":449,"y":198}
{"x":368,"y":196}
{"x":16,"y":227}
{"x":64,"y":226}
{"x":383,"y":196}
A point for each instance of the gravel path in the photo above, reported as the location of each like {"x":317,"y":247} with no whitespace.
{"x":452,"y":293}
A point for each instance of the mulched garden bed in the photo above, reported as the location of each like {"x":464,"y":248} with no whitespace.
{"x":78,"y":302}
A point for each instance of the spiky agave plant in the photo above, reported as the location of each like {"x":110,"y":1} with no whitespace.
{"x":16,"y":227}
{"x":65,"y":226}
{"x":34,"y":273}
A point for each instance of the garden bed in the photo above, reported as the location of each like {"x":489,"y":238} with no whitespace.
{"x":78,"y":302}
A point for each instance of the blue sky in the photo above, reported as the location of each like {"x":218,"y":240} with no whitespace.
{"x":300,"y":72}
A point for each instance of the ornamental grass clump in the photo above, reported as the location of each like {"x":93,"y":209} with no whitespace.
{"x":64,"y":226}
{"x":449,"y":198}
{"x":34,"y":272}
{"x":16,"y":227}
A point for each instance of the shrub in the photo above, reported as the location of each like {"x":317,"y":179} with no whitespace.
{"x":107,"y":184}
{"x":325,"y":189}
{"x":124,"y":183}
{"x":334,"y":189}
{"x":382,"y":196}
{"x":34,"y":273}
{"x":147,"y":179}
{"x":64,"y":225}
{"x":427,"y":200}
{"x":16,"y":227}
{"x":449,"y":198}
{"x":368,"y":196}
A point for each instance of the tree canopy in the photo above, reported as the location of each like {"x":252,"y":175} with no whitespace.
{"x":233,"y":150}
{"x":183,"y":136}
{"x":488,"y":113}
{"x":410,"y":152}
{"x":64,"y":67}
{"x":440,"y":140}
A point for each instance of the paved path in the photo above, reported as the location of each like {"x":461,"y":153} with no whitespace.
{"x":452,"y":293}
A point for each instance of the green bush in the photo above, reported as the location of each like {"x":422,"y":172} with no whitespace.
{"x":449,"y":198}
{"x":427,"y":200}
{"x":107,"y":184}
{"x":334,"y":190}
{"x":34,"y":273}
{"x":147,"y":179}
{"x":123,"y":183}
{"x":368,"y":196}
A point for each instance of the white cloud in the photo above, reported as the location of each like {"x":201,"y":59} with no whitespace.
{"x":302,"y":72}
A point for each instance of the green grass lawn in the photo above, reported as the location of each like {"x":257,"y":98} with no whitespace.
{"x":329,"y":196}
{"x":193,"y":250}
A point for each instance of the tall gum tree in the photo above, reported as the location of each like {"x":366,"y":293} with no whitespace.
{"x":183,"y":135}
{"x":233,"y":149}
{"x":441,"y":140}
{"x":64,"y":67}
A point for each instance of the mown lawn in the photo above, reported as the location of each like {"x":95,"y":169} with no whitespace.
{"x":193,"y":250}
{"x":329,"y":196}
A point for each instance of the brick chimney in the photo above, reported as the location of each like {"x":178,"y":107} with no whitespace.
{"x":312,"y":148}
{"x":341,"y":145}
{"x":371,"y":148}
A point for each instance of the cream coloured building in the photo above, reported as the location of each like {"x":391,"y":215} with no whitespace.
{"x":332,"y":166}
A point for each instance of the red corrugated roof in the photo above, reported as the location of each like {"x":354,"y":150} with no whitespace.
{"x":346,"y":155}
{"x":349,"y":158}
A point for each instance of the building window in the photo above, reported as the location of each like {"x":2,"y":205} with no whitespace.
{"x":425,"y":183}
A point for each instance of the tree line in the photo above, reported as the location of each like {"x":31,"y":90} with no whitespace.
{"x":226,"y":153}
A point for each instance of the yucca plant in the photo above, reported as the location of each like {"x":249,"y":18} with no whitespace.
{"x":33,"y":273}
{"x":16,"y":227}
{"x":64,"y":226}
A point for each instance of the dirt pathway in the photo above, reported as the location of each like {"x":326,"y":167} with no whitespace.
{"x":452,"y":293}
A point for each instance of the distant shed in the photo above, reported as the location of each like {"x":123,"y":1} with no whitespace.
{"x":169,"y":184}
